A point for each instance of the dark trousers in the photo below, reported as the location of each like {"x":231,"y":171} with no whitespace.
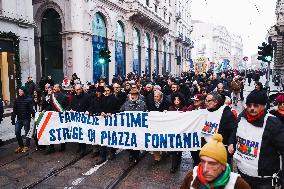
{"x":18,"y":127}
{"x":242,"y":94}
{"x":82,"y":147}
{"x":176,"y":159}
{"x":104,"y":151}
{"x":134,"y":154}
{"x":258,"y":183}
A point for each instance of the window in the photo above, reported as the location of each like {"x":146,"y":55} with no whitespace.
{"x":156,"y":8}
{"x":119,"y":49}
{"x":165,"y":14}
{"x":147,"y":2}
{"x":136,"y":52}
{"x":147,"y":55}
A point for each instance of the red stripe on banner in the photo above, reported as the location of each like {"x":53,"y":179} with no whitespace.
{"x":44,"y":125}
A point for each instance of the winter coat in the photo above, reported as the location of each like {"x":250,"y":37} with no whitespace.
{"x":110,"y":104}
{"x":122,"y":97}
{"x":129,"y":105}
{"x":80,"y":103}
{"x":277,"y":114}
{"x":62,"y":100}
{"x":240,"y":183}
{"x":23,"y":108}
{"x":163,"y":106}
{"x":96,"y":105}
{"x":236,"y":86}
{"x":181,"y":109}
{"x":272,"y":144}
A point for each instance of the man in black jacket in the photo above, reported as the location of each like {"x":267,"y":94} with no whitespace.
{"x":110,"y":105}
{"x":24,"y":111}
{"x":259,"y":143}
{"x":80,"y":103}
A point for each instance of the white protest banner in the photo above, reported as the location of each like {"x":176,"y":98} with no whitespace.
{"x":150,"y":131}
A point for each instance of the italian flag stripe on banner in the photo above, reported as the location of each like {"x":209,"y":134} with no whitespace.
{"x":44,"y":124}
{"x":57,"y":104}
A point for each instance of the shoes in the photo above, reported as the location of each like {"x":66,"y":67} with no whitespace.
{"x":19,"y":150}
{"x":100,"y":161}
{"x":25,"y":149}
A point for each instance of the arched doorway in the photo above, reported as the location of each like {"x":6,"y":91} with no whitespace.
{"x":119,"y":50}
{"x":51,"y":45}
{"x":99,"y":41}
{"x":147,"y":55}
{"x":136,"y":52}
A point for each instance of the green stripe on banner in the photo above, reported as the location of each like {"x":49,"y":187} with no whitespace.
{"x":39,"y":118}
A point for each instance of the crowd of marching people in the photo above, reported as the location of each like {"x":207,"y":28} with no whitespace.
{"x":254,"y":133}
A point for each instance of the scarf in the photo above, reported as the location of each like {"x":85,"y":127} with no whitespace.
{"x":220,"y":181}
{"x":252,"y":119}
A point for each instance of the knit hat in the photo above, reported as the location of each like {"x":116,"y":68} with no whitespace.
{"x":215,"y":149}
{"x":23,"y":88}
{"x":257,"y":97}
{"x":279,"y":99}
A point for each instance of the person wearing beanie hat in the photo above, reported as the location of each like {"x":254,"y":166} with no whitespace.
{"x":258,"y":144}
{"x":213,"y":170}
{"x":257,"y":97}
{"x":278,"y":111}
{"x":24,"y":112}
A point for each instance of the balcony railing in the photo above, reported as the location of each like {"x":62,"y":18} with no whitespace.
{"x":179,"y":37}
{"x":186,"y":41}
{"x":145,"y":16}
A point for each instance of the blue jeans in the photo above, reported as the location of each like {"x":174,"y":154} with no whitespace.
{"x":18,"y":127}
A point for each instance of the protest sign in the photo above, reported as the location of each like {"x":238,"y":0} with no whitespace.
{"x":151,"y":131}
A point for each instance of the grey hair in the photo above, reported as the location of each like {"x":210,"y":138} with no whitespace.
{"x":159,"y":92}
{"x":218,"y":97}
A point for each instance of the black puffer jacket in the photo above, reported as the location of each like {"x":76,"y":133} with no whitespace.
{"x":272,"y":144}
{"x":23,"y":108}
{"x":110,"y":104}
{"x":227,"y":126}
{"x":80,"y":103}
{"x":277,"y":114}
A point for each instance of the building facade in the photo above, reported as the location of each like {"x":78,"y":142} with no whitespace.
{"x":217,"y":44}
{"x":17,"y":51}
{"x":141,"y":36}
{"x":276,"y":37}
